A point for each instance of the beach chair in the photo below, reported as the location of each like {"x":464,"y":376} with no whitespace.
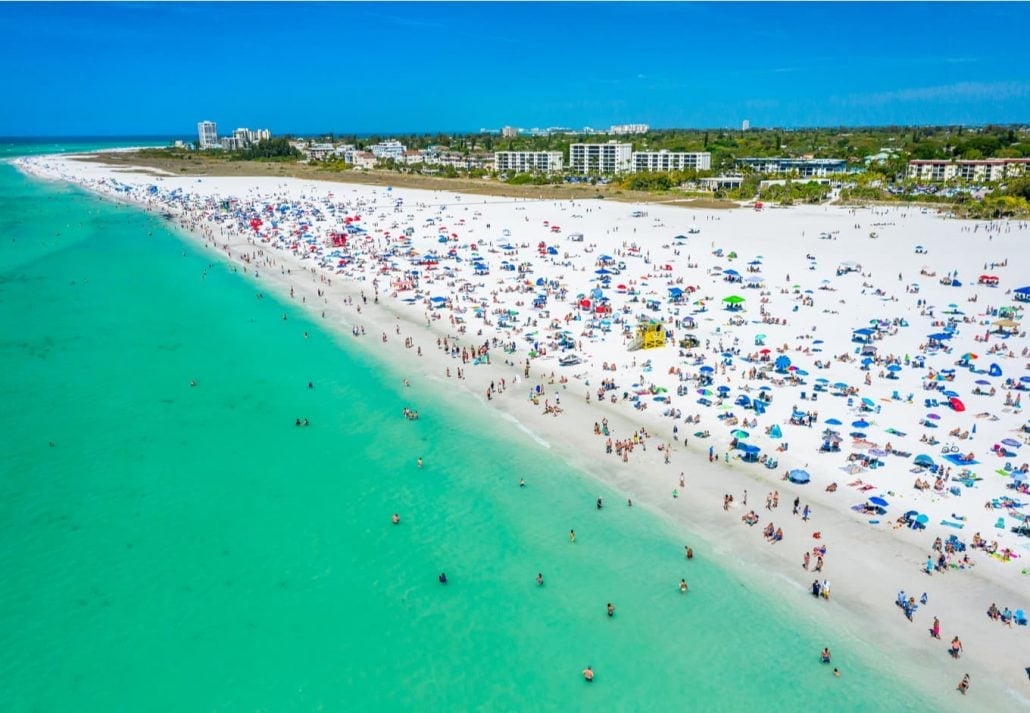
{"x":1020,"y":617}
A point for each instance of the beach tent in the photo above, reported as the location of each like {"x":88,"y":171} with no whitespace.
{"x":799,"y":476}
{"x":1022,"y":294}
{"x":775,"y":431}
{"x":957,"y":404}
{"x":995,"y":370}
{"x":924,"y":461}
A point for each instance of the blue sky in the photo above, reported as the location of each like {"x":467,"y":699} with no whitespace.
{"x":143,"y":68}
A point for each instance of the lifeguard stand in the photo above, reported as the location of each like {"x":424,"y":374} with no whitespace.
{"x":650,"y":335}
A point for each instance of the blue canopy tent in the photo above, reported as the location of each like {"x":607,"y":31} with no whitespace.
{"x":924,"y":461}
{"x":750,"y":454}
{"x":799,"y":476}
{"x":1022,"y":294}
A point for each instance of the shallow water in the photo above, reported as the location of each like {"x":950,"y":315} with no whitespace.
{"x":167,"y":547}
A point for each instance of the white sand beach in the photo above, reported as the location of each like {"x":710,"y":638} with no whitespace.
{"x":903,"y":438}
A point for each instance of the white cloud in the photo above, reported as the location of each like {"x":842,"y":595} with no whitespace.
{"x":961,"y":91}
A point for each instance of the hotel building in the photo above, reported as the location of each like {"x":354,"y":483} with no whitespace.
{"x":207,"y":135}
{"x":671,"y":161}
{"x":608,"y":158}
{"x":988,"y":169}
{"x":527,"y":161}
{"x":804,"y":167}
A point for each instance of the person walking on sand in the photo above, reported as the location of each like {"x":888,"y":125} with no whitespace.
{"x":935,"y":630}
{"x":956,"y":647}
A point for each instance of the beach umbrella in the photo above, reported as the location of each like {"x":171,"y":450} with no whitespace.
{"x":922,"y":519}
{"x":833,"y":422}
{"x":857,"y":434}
{"x":705,"y":392}
{"x":951,"y":394}
{"x":800,"y":372}
{"x":722,"y":389}
{"x":982,"y":382}
{"x":799,"y":476}
{"x":706,"y":369}
{"x":878,"y":452}
{"x":860,"y":423}
{"x":933,"y":416}
{"x":840,"y":385}
{"x":894,"y":368}
{"x":878,"y":501}
{"x":1012,"y":443}
{"x":739,"y":434}
{"x":1025,"y":379}
{"x":867,"y":402}
{"x":782,"y":362}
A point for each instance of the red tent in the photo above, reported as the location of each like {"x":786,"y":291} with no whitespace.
{"x":956,"y":404}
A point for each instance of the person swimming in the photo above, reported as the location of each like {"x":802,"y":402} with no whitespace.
{"x":396,"y":519}
{"x":588,"y":674}
{"x":540,"y":579}
{"x":611,"y":609}
{"x":599,"y":505}
{"x":683,"y":586}
{"x":442,"y":578}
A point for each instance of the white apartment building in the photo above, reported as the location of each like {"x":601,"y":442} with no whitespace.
{"x":509,"y":132}
{"x":622,"y":129}
{"x":671,"y":160}
{"x":988,"y":169}
{"x":207,"y":135}
{"x":232,"y":143}
{"x":527,"y":161}
{"x":608,"y":158}
{"x":388,"y":149}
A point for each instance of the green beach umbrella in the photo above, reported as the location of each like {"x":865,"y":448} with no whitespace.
{"x":733,"y":299}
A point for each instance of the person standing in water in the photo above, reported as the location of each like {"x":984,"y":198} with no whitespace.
{"x":611,"y":609}
{"x":572,"y":535}
{"x":683,"y":586}
{"x":540,"y":579}
{"x":588,"y":674}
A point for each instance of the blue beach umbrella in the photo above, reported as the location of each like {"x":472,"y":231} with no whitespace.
{"x":799,"y":476}
{"x":860,"y":423}
{"x":878,"y":501}
{"x":833,"y":422}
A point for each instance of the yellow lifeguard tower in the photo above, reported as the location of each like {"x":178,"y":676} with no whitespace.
{"x":650,"y":335}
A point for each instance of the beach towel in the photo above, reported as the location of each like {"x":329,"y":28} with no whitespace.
{"x":956,"y":525}
{"x":956,"y":459}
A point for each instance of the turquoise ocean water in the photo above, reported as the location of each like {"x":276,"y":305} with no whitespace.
{"x":173,"y":548}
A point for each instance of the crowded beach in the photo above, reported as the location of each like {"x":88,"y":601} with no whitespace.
{"x":691,"y":355}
